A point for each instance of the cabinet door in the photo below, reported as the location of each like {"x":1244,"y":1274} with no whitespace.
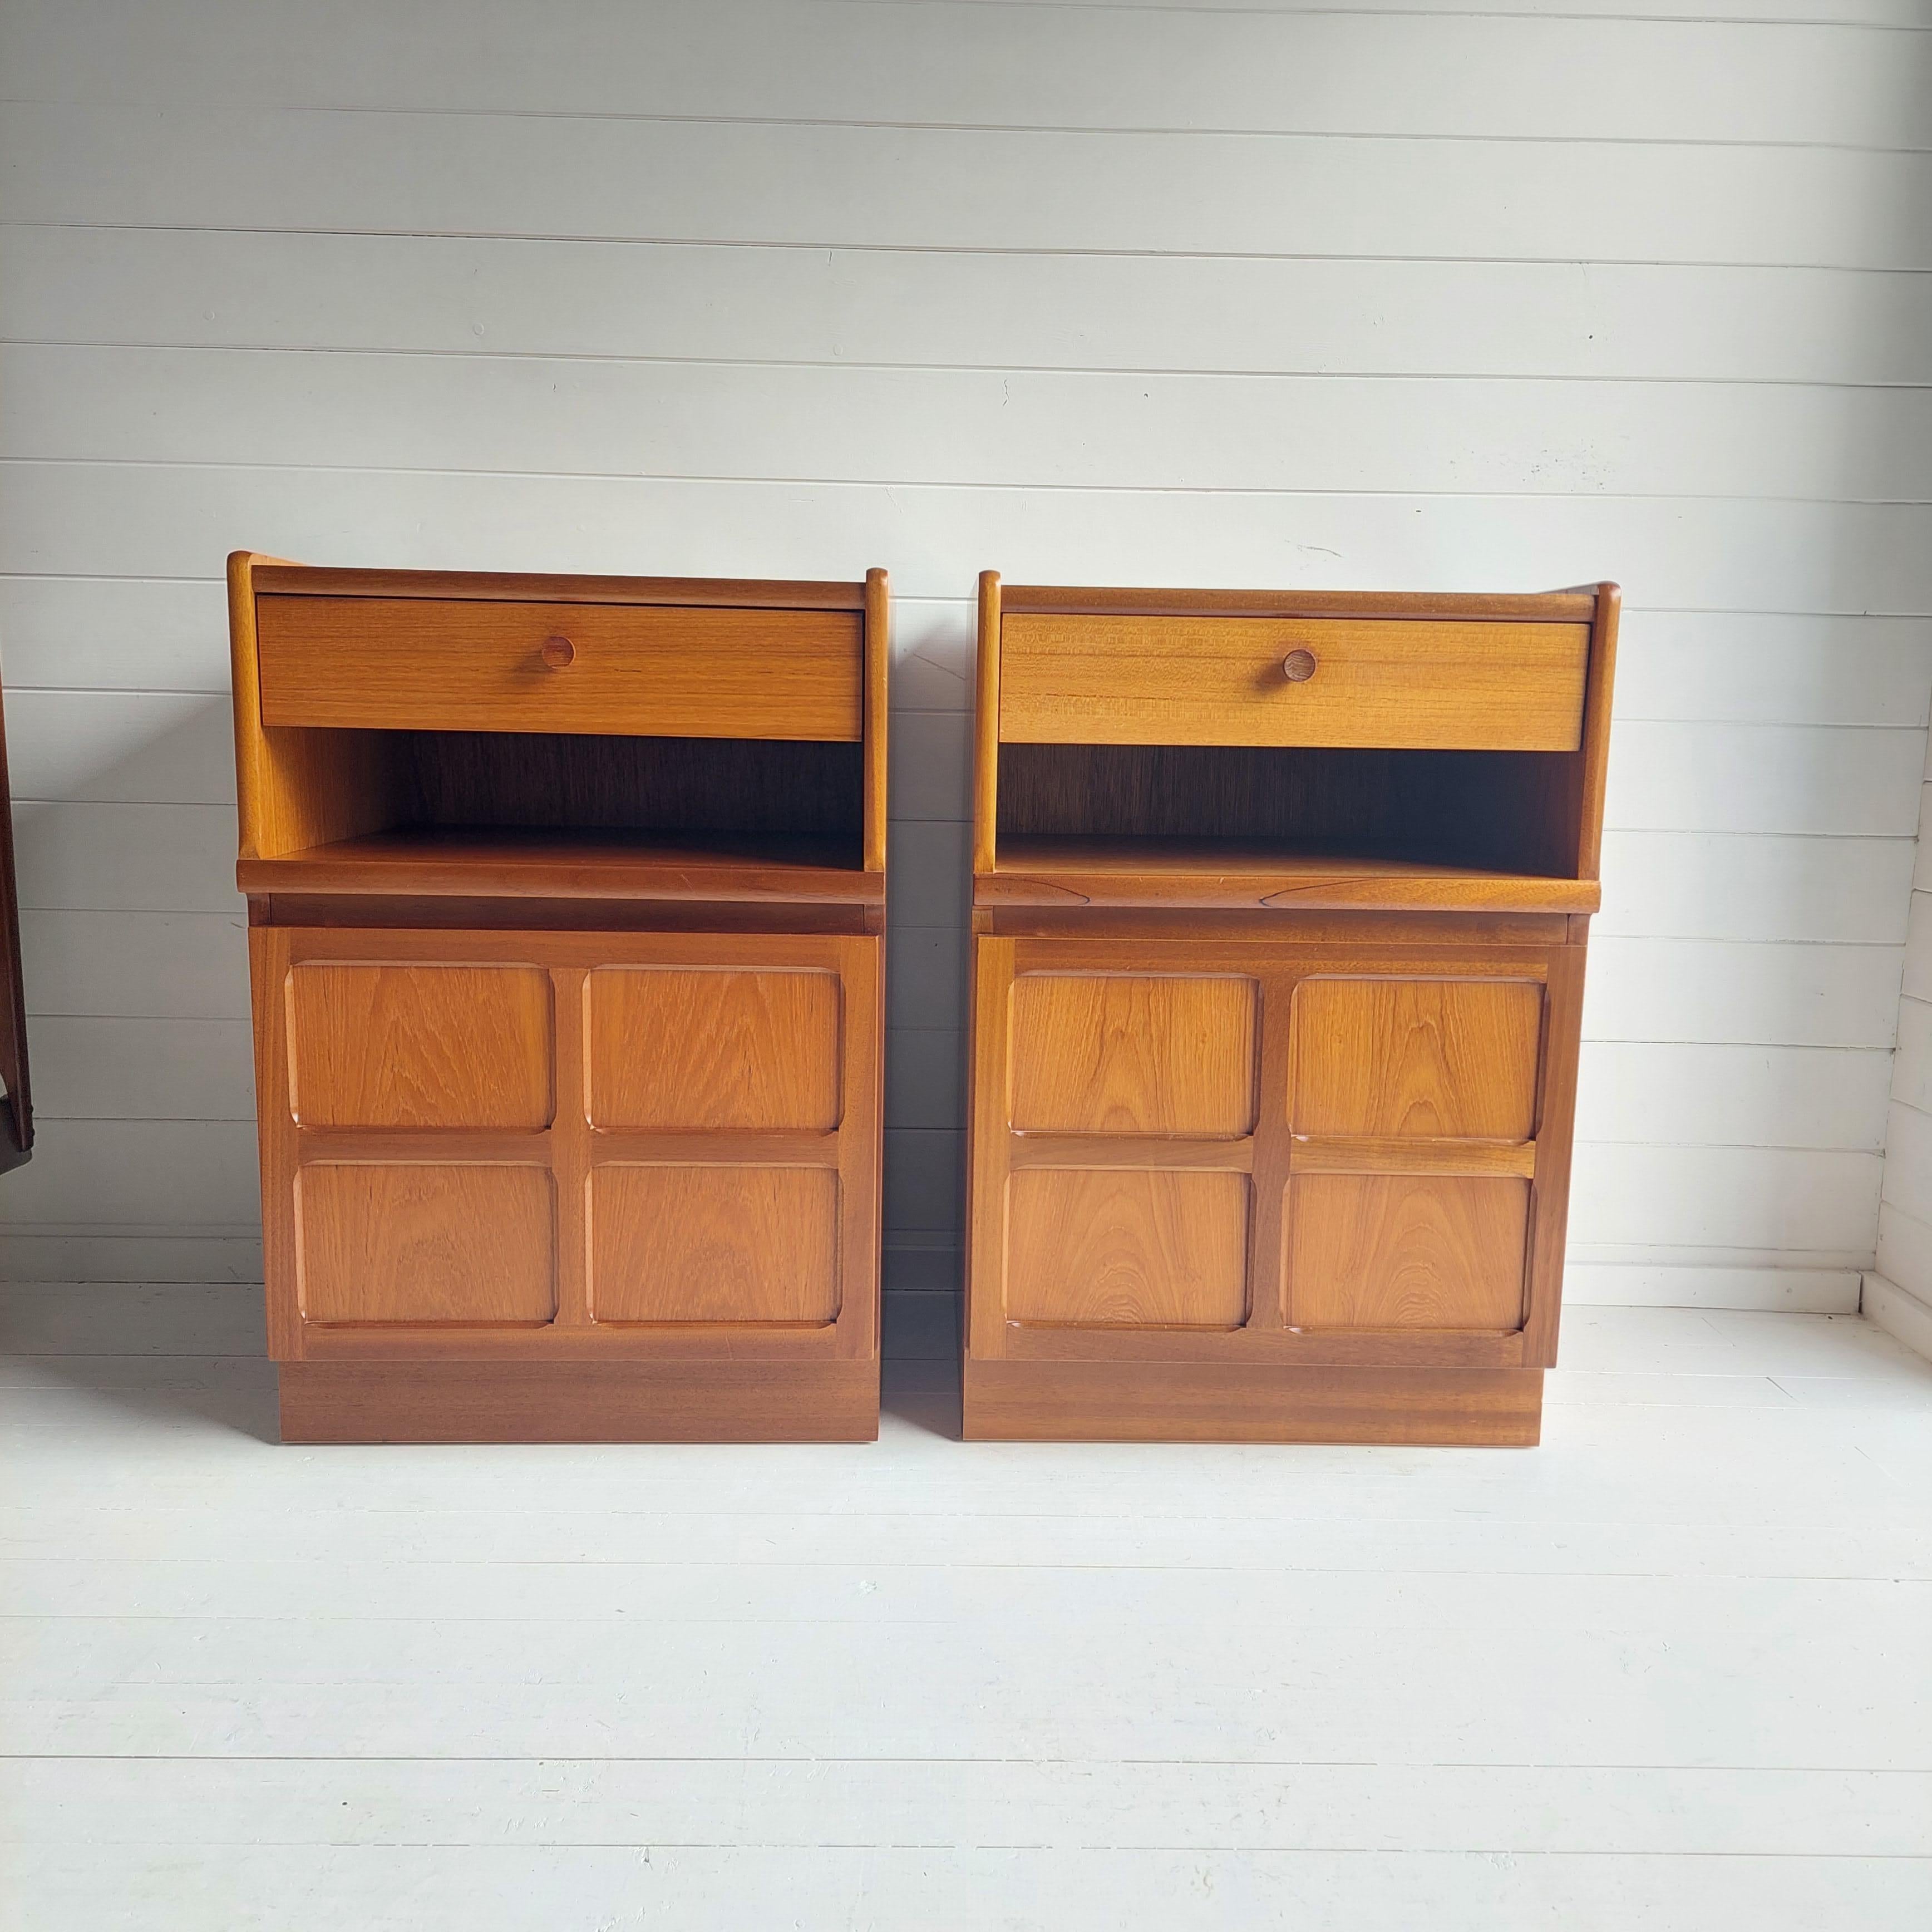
{"x":1228,"y":1150}
{"x":1412,"y":1102}
{"x":1119,"y":1085}
{"x":569,"y":1143}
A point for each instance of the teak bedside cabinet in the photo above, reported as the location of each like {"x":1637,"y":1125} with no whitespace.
{"x":565,"y":898}
{"x":1280,"y":904}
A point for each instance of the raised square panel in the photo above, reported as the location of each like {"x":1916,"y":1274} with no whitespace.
{"x":469,"y":1244}
{"x":673,"y":1049}
{"x":738,"y":1244}
{"x":419,"y":1046}
{"x":1118,"y":1053}
{"x":1121,"y":1248}
{"x":1428,"y":1058}
{"x":1406,"y":1251}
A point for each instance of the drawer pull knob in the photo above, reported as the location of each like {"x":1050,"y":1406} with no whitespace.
{"x":559,"y":651}
{"x":1298,"y":667}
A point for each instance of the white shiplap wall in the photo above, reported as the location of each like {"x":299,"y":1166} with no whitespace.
{"x":1898,"y":1293}
{"x":1497,"y":297}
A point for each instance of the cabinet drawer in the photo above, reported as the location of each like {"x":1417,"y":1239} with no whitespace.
{"x":652,"y":670}
{"x":1365,"y":682}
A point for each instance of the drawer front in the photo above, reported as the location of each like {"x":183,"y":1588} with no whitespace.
{"x":458,"y":1243}
{"x":419,"y":1046}
{"x":1416,"y":1059}
{"x":673,"y":1050}
{"x":1120,"y":1053}
{"x":1292,"y":681}
{"x":425,"y":664}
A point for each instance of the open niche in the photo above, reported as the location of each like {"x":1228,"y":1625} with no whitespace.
{"x":475,"y":811}
{"x":1233,"y":823}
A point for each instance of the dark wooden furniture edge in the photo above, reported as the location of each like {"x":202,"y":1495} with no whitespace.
{"x":1064,"y":600}
{"x":630,"y":1401}
{"x":279,"y":578}
{"x":1009,"y":1401}
{"x":16,"y":1108}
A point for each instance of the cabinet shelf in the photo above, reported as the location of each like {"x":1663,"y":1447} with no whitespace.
{"x":1114,"y":870}
{"x":550,"y":862}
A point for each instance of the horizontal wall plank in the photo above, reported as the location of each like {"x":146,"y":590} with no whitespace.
{"x":925,"y":977}
{"x":1779,"y":1291}
{"x":141,"y":748}
{"x":1675,"y":885}
{"x":1054,"y":67}
{"x":1905,"y":1250}
{"x":928,"y":865}
{"x":126,"y":858}
{"x":926,"y":1078}
{"x":923,"y":1172}
{"x":140,"y":165}
{"x":1856,"y":782}
{"x":1730,"y":992}
{"x":1719,"y":554}
{"x":199,"y":1177}
{"x":1912,"y":1068}
{"x":1763,"y":1199}
{"x":1918,"y":941}
{"x":1320,"y":434}
{"x":96,"y":1069}
{"x":168,"y":965}
{"x":1908,"y":1166}
{"x":460,"y":296}
{"x":1758,"y":1096}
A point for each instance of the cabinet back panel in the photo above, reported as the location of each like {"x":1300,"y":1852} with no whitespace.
{"x":1511,"y":810}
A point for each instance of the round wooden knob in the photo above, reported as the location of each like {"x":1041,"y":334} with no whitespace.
{"x":1298,"y":667}
{"x":559,"y":651}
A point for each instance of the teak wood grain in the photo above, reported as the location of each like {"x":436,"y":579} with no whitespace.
{"x":675,"y":1050}
{"x":714,"y":1244}
{"x":412,"y":664}
{"x":1434,"y":1058}
{"x":415,"y":1242}
{"x":419,"y":1046}
{"x":1375,"y":1251}
{"x":1124,"y":1053}
{"x":1114,"y":1246}
{"x":1405,"y":891}
{"x":1226,"y":680}
{"x":567,"y":1036}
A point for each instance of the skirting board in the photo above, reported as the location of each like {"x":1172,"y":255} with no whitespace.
{"x":1899,"y":1313}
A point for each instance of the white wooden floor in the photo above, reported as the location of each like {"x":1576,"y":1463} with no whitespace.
{"x":1674,"y":1669}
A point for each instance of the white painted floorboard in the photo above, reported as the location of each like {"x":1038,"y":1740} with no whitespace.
{"x":1671,"y":1669}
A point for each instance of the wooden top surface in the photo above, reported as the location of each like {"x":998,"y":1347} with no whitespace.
{"x":279,"y":579}
{"x":495,"y":861}
{"x":1575,"y":606}
{"x":1042,"y":871}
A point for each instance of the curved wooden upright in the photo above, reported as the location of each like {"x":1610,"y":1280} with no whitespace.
{"x":566,"y":899}
{"x":1280,"y":908}
{"x":17,"y":1104}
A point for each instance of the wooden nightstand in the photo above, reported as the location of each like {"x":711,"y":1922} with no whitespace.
{"x":566,"y":898}
{"x":1280,"y":906}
